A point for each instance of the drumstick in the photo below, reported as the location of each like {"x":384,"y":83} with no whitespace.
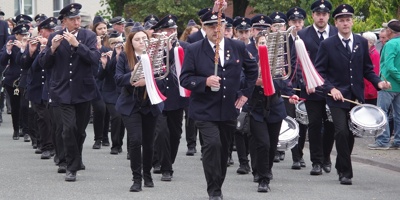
{"x":384,"y":78}
{"x":289,"y":97}
{"x":348,"y":100}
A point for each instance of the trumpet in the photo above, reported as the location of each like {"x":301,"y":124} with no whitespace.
{"x":157,"y":49}
{"x":72,"y":32}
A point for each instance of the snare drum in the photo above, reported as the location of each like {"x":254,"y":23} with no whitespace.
{"x":367,"y":120}
{"x":288,"y":135}
{"x":301,"y":113}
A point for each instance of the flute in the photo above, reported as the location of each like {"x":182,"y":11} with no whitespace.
{"x":72,"y":32}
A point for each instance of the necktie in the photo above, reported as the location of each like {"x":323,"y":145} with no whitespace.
{"x":347,"y":45}
{"x":321,"y":37}
{"x":138,"y":58}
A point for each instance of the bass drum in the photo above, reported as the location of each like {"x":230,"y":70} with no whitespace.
{"x":367,"y":120}
{"x":288,"y":135}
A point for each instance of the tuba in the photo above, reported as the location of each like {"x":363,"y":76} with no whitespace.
{"x":279,"y":53}
{"x":157,"y":50}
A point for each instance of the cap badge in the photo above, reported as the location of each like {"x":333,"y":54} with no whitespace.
{"x":51,"y":23}
{"x":296,"y":12}
{"x":152,"y":19}
{"x":322,"y":6}
{"x":214,"y":17}
{"x":170,"y":21}
{"x":243,"y":23}
{"x":72,"y":9}
{"x":261,"y":21}
{"x":277,"y":17}
{"x":344,"y":10}
{"x":23,"y":29}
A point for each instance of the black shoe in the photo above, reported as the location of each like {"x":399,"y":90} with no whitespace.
{"x":263,"y":186}
{"x":83,"y":167}
{"x":127,"y":156}
{"x":281,"y":155}
{"x":52,"y":152}
{"x":302,"y":163}
{"x":38,"y":151}
{"x":243,"y":169}
{"x":316,"y":170}
{"x":62,"y":169}
{"x":9,"y":112}
{"x":114,"y":151}
{"x":191,"y":151}
{"x":34,"y":145}
{"x":276,"y":159}
{"x":136,"y":187}
{"x":45,"y":155}
{"x":256,"y":178}
{"x":166,"y":176}
{"x":21,"y":134}
{"x":215,"y":198}
{"x":157,"y":169}
{"x":105,"y":143}
{"x":148,"y":183}
{"x":15,"y":135}
{"x":70,"y":176}
{"x":327,"y":168}
{"x":119,"y":149}
{"x":97,"y":144}
{"x":270,"y":175}
{"x":1,"y":118}
{"x":296,"y":165}
{"x":27,"y":138}
{"x":345,"y":181}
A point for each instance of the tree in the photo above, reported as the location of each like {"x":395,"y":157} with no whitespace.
{"x":239,"y":7}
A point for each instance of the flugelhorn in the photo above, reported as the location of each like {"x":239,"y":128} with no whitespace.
{"x":157,"y":49}
{"x":279,"y":53}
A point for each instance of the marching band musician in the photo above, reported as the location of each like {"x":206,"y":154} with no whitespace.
{"x":36,"y":80}
{"x":296,"y":18}
{"x":343,"y":70}
{"x":201,"y":34}
{"x":101,"y":116}
{"x":4,"y":33}
{"x":258,"y":24}
{"x":118,"y":24}
{"x":169,"y":123}
{"x":11,"y":76}
{"x":215,"y":113}
{"x":266,"y":115}
{"x":320,"y":144}
{"x":71,"y":54}
{"x":110,"y":91}
{"x":138,"y":114}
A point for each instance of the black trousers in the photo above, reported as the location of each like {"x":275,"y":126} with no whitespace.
{"x":242,"y":147}
{"x":56,"y":130}
{"x":263,"y":144}
{"x":168,"y":135}
{"x":140,"y":130}
{"x":297,"y":151}
{"x":25,"y":115}
{"x":117,"y":127}
{"x":101,"y":120}
{"x":215,"y":152}
{"x":15,"y":102}
{"x":43,"y":122}
{"x":75,"y":118}
{"x":191,"y":131}
{"x":33,"y":129}
{"x":344,"y":139}
{"x":321,"y":138}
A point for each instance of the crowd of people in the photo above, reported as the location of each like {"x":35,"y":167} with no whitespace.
{"x":57,"y":75}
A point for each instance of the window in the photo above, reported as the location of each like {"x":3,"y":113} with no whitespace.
{"x":58,"y":5}
{"x":24,"y":7}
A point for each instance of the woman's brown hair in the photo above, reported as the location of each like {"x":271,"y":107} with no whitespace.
{"x":187,"y":31}
{"x":104,"y":40}
{"x":130,"y":51}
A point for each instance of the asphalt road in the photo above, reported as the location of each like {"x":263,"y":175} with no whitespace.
{"x":23,"y":175}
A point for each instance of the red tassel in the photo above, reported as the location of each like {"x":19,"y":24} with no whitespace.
{"x":268,"y":84}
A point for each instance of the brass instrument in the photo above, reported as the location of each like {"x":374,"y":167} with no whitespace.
{"x":279,"y":52}
{"x":157,"y":49}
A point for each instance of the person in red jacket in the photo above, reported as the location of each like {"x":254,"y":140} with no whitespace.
{"x":370,"y":93}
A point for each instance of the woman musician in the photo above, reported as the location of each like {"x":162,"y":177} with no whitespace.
{"x":138,"y":114}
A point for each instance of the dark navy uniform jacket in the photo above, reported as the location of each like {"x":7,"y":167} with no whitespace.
{"x":14,"y":69}
{"x":133,"y":99}
{"x":3,"y":39}
{"x":198,"y":65}
{"x":252,"y":48}
{"x":72,"y":79}
{"x":343,"y":71}
{"x":174,"y":100}
{"x":36,"y":76}
{"x":109,"y":90}
{"x":195,"y":37}
{"x":312,"y":42}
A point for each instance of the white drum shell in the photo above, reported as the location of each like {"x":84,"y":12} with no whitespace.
{"x":367,"y":120}
{"x":301,"y":113}
{"x":288,"y":135}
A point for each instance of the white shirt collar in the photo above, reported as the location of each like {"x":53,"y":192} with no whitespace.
{"x":203,"y":33}
{"x":326,"y":31}
{"x":221,"y":49}
{"x":350,"y":42}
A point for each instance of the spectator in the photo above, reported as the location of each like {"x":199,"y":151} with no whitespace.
{"x":370,"y":93}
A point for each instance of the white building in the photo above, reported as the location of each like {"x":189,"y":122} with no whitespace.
{"x":12,"y":8}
